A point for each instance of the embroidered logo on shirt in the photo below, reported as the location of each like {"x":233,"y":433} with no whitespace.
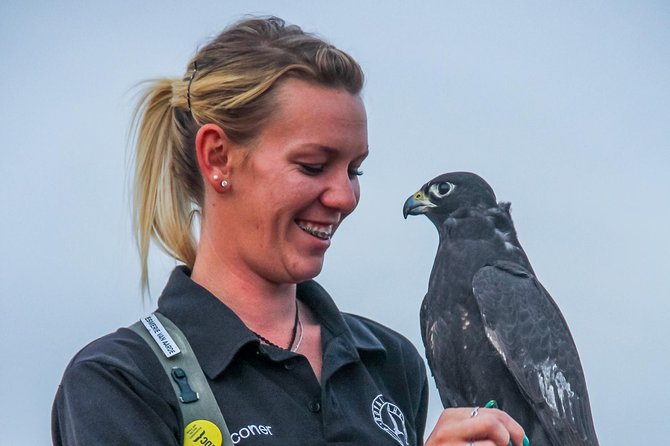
{"x":390,"y":419}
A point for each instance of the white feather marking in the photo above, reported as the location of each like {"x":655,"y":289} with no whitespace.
{"x":504,"y":236}
{"x":493,"y":338}
{"x":431,"y":334}
{"x":465,"y":320}
{"x":555,"y":389}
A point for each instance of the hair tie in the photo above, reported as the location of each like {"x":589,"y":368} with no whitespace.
{"x":188,"y":90}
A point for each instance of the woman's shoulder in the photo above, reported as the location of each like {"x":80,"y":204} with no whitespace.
{"x":107,"y":387}
{"x":369,"y":333}
{"x":118,"y":356}
{"x":122,"y":349}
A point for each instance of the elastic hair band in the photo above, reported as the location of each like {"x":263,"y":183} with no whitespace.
{"x":188,"y":90}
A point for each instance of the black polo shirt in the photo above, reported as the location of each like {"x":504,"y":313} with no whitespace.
{"x":373,"y":388}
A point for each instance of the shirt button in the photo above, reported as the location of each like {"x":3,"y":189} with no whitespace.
{"x":289,"y":365}
{"x":314,"y":406}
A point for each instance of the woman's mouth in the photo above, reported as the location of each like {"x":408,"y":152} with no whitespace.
{"x":323,"y":232}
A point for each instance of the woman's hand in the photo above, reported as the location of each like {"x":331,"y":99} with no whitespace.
{"x":478,"y":427}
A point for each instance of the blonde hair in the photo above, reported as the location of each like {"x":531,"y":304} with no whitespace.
{"x":230,"y":83}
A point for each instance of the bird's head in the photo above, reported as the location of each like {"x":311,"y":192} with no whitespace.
{"x":442,"y":196}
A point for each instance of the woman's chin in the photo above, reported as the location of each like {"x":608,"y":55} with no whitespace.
{"x":306,"y":268}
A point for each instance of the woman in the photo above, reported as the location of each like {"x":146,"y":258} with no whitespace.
{"x":264,"y":138}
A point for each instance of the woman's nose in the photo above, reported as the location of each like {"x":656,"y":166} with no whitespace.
{"x":342,"y":194}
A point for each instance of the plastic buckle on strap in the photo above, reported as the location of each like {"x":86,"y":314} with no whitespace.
{"x":187,"y":394}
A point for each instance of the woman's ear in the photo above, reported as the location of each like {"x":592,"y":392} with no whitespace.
{"x":212,"y":147}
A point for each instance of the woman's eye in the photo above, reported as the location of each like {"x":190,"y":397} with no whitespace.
{"x":316,"y":169}
{"x":311,"y":169}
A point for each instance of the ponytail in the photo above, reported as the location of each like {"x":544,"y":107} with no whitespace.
{"x":162,"y":207}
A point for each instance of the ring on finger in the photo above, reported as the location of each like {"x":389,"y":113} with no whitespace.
{"x":474,"y":413}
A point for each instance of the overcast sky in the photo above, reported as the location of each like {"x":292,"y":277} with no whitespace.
{"x":564,"y":107}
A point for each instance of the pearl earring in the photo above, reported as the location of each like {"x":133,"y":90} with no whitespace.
{"x":224,"y":184}
{"x":215,"y":177}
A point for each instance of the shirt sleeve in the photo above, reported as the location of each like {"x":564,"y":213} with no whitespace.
{"x":106,"y":399}
{"x":416,"y":374}
{"x":422,"y":413}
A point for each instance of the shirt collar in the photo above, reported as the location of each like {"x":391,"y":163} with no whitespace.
{"x":216,"y":334}
{"x":319,"y":301}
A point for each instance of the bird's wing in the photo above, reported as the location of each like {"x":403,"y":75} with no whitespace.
{"x":527,"y":329}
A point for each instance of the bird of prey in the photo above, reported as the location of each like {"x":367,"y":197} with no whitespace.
{"x":490,"y":329}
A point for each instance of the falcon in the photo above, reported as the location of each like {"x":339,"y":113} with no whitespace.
{"x":490,"y":329}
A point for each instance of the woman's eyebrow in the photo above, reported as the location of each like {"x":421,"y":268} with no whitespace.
{"x":334,"y":151}
{"x":331,"y":151}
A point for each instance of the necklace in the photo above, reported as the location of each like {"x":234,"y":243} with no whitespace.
{"x":297,"y":345}
{"x":294,"y":332}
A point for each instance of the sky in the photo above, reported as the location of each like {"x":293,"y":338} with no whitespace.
{"x":564,"y":107}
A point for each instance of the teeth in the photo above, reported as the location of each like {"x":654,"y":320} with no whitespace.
{"x":319,"y":231}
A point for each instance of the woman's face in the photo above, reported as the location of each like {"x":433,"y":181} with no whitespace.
{"x":296,"y":183}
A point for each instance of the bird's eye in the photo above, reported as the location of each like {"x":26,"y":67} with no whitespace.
{"x":444,"y":188}
{"x":441,"y":190}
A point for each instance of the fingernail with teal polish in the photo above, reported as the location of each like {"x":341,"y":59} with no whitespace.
{"x":493,"y":404}
{"x":526,"y":441}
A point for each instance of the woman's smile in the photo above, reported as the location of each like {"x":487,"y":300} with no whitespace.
{"x":320,"y":231}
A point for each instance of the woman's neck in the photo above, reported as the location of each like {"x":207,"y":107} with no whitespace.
{"x":266,"y":308}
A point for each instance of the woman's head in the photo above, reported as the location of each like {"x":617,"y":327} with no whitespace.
{"x":288,"y":193}
{"x":232,"y":83}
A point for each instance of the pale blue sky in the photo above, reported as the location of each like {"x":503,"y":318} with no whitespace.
{"x":562,"y":106}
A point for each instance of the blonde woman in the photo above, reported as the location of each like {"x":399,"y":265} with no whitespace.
{"x":263,"y":137}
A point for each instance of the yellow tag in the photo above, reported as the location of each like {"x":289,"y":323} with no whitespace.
{"x":202,"y":432}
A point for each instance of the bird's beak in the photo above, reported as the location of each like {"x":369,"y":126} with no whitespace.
{"x":416,"y":204}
